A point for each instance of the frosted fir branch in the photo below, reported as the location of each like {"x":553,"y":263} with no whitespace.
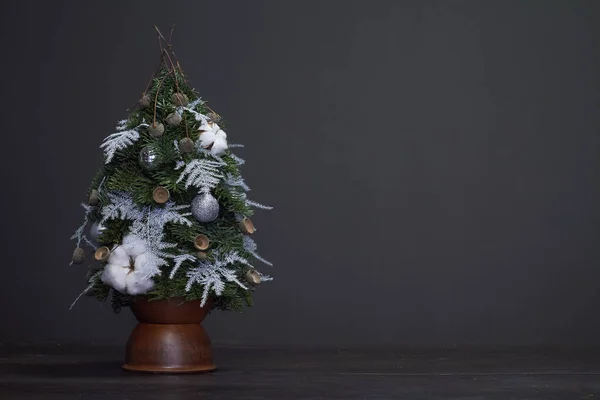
{"x":180,"y":259}
{"x":238,"y":160}
{"x":202,"y":174}
{"x":213,"y":275}
{"x":90,"y":243}
{"x":251,"y":247}
{"x":87,"y":289}
{"x":236,"y":181}
{"x":121,"y":206}
{"x":180,"y":164}
{"x":120,"y":140}
{"x":208,"y":154}
{"x":86,"y":219}
{"x":190,"y":108}
{"x":122,"y":125}
{"x":235,"y":145}
{"x":148,"y":228}
{"x":265,"y":278}
{"x":255,"y":204}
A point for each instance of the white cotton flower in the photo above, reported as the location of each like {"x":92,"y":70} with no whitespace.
{"x":124,"y":270}
{"x":208,"y":133}
{"x":220,"y":144}
{"x":213,"y":137}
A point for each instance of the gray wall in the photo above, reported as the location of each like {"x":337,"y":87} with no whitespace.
{"x":433,"y":164}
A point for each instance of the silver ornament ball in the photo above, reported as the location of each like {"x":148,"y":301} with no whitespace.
{"x":149,"y":158}
{"x":96,"y":230}
{"x":205,"y":208}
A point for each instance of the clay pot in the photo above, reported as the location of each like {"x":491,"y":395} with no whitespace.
{"x":169,"y":337}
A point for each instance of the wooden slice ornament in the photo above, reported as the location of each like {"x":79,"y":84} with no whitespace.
{"x":102,"y":254}
{"x":161,"y":195}
{"x":247,"y":226}
{"x":201,"y":242}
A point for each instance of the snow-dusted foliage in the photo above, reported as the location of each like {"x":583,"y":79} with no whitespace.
{"x":121,"y":206}
{"x":201,"y":173}
{"x":120,"y":140}
{"x":236,"y":181}
{"x":147,"y":228}
{"x":213,"y":275}
{"x":238,"y":160}
{"x":79,"y":235}
{"x":180,"y":259}
{"x":251,"y":247}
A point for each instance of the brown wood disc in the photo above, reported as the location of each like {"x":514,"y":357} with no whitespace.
{"x":201,"y":242}
{"x":247,"y":226}
{"x":253,"y":277}
{"x":161,"y":195}
{"x":201,"y":256}
{"x":102,"y":254}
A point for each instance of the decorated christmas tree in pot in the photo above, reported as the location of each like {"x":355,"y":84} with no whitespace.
{"x":167,"y":221}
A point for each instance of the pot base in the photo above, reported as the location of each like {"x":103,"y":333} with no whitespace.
{"x":169,"y":338}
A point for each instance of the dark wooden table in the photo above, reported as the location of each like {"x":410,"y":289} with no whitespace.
{"x":93,"y":372}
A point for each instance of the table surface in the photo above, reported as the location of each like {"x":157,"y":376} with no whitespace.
{"x":87,"y":372}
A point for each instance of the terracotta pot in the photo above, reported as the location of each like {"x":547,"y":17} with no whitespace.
{"x":169,"y":337}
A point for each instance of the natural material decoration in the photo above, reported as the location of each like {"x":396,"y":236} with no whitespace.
{"x":201,"y":242}
{"x":78,"y":255}
{"x":253,"y":277}
{"x":156,"y":130}
{"x":102,"y":254}
{"x":173,"y":119}
{"x":168,"y":215}
{"x":186,"y":145}
{"x":247,"y":226}
{"x":93,"y":199}
{"x":161,"y":195}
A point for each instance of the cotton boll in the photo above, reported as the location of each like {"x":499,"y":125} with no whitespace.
{"x":115,"y":276}
{"x":219,"y":146}
{"x":138,"y":284}
{"x":207,"y":138}
{"x":221,"y":134}
{"x":119,"y":257}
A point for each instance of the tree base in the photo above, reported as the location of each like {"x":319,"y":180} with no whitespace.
{"x":169,"y":338}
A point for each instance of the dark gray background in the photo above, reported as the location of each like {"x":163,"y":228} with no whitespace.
{"x":433,"y":164}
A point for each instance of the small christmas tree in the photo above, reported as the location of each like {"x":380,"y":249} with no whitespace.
{"x":167,"y":213}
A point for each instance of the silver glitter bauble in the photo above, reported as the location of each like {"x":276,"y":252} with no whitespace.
{"x":96,"y":230}
{"x":205,"y":208}
{"x":149,"y":158}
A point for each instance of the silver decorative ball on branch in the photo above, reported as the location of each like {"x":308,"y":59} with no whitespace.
{"x":149,"y":159}
{"x":96,"y":230}
{"x":205,"y":208}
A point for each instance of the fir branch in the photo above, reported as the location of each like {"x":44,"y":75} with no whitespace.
{"x":120,"y":140}
{"x":202,"y":174}
{"x":213,"y":274}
